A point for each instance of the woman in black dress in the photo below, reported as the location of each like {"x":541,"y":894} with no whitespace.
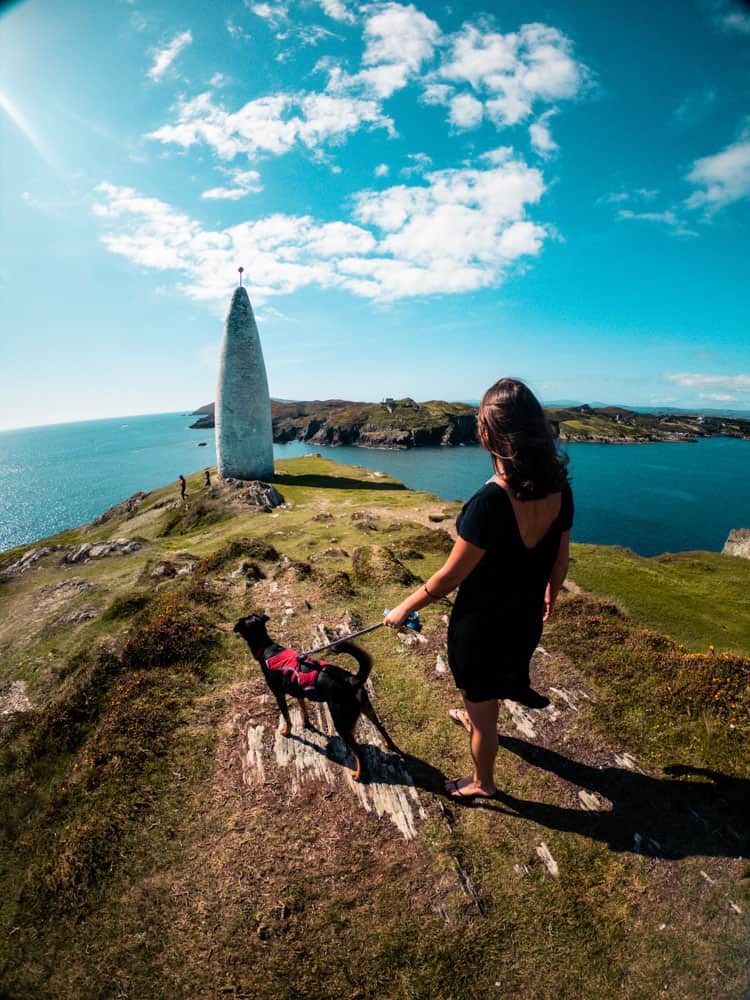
{"x":509,"y":562}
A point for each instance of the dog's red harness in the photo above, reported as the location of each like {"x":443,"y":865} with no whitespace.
{"x":297,"y":682}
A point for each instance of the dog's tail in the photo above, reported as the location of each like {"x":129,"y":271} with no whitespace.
{"x":362,"y":657}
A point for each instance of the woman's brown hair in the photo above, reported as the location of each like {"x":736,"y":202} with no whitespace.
{"x":514,"y":429}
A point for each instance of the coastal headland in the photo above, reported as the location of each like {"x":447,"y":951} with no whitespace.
{"x":404,"y":423}
{"x":160,"y":837}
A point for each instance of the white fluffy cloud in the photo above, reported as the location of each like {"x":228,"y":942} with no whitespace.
{"x":540,"y":135}
{"x":337,"y":10}
{"x":718,"y":181}
{"x":163,"y":58}
{"x":243,"y":182}
{"x":722,"y":178}
{"x":715,"y":383}
{"x":465,"y":111}
{"x":399,"y":40}
{"x":511,"y":73}
{"x":274,"y":13}
{"x":273,"y":125}
{"x":476,"y":73}
{"x":457,"y":231}
{"x":399,"y":34}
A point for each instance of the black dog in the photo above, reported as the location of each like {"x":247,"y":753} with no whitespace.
{"x":289,"y":673}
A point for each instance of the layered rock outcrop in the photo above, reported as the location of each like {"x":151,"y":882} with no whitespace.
{"x":738,"y":543}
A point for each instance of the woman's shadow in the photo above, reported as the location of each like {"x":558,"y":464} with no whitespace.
{"x":661,"y":817}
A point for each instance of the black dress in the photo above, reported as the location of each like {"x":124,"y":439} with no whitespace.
{"x":496,"y":621}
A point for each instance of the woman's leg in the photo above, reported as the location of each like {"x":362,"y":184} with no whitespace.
{"x":483,"y":736}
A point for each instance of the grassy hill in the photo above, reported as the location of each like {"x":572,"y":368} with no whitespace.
{"x":404,"y":423}
{"x":698,"y":598}
{"x":159,"y":837}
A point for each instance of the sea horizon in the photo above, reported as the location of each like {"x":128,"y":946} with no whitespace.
{"x":598,"y":404}
{"x":644,"y":497}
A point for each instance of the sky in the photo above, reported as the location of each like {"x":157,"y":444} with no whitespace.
{"x":425,"y":197}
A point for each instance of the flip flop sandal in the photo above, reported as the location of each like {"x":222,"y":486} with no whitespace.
{"x":460,"y":717}
{"x":454,"y":792}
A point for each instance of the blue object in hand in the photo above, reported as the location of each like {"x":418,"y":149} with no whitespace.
{"x":411,"y":622}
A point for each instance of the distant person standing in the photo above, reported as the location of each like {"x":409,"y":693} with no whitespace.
{"x":207,"y":484}
{"x":183,"y":487}
{"x":509,"y":563}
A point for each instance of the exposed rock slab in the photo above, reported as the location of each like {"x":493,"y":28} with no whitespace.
{"x":14,"y":699}
{"x":97,"y":550}
{"x":30,"y":558}
{"x":738,"y":543}
{"x":320,"y":756}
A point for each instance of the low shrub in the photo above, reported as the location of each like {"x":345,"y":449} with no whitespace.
{"x":74,"y":841}
{"x":643,"y":669}
{"x":201,"y":592}
{"x":184,"y":519}
{"x":378,"y":565}
{"x":61,"y":725}
{"x":168,"y":632}
{"x":425,"y":540}
{"x":338,"y":584}
{"x":126,"y":606}
{"x":237,"y":548}
{"x":714,"y":683}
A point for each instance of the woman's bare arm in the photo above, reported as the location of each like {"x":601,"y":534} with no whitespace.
{"x":463,"y":559}
{"x":558,"y":574}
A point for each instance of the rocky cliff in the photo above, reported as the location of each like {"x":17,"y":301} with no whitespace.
{"x":399,"y":423}
{"x":738,"y":543}
{"x":403,"y":423}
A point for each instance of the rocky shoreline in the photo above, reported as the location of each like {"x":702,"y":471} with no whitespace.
{"x":404,"y":423}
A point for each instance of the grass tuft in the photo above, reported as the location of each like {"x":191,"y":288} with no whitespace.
{"x":168,"y":632}
{"x":188,"y":518}
{"x":237,"y":548}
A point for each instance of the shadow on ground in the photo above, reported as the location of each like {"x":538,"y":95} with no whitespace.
{"x":380,"y":766}
{"x":661,"y":817}
{"x":334,"y":482}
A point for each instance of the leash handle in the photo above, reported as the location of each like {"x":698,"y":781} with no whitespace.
{"x":411,"y":622}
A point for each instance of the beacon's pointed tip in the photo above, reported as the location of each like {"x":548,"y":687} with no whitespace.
{"x":239,"y":295}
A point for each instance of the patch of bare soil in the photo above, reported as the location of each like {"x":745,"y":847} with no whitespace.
{"x":55,"y":596}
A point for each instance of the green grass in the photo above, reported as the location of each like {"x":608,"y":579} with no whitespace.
{"x":134,"y":863}
{"x":653,"y":694}
{"x":698,"y":598}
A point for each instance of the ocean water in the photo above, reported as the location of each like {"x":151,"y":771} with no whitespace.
{"x":651,"y":498}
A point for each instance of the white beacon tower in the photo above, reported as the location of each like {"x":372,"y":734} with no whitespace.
{"x":244,"y":434}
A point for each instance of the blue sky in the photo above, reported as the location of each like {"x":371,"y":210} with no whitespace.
{"x":424,"y":196}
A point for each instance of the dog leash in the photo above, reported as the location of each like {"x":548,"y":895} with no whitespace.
{"x":411,"y":622}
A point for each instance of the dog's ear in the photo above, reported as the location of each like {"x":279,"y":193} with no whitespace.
{"x":264,"y":619}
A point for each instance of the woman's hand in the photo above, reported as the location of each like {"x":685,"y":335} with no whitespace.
{"x":463,"y":559}
{"x":397,"y":617}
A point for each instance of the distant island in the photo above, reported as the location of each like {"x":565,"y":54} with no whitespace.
{"x":404,"y":423}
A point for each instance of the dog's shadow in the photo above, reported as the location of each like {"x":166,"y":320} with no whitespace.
{"x":380,"y":767}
